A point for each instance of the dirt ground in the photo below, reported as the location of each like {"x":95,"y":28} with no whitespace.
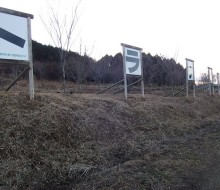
{"x":82,"y":140}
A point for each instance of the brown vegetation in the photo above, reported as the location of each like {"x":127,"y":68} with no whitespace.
{"x":88,"y":141}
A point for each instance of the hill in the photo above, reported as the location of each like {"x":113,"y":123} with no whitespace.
{"x":81,"y":68}
{"x":87,"y":141}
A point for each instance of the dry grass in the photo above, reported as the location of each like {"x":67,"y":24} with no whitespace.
{"x":88,"y":141}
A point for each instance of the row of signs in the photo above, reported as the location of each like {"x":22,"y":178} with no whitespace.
{"x":133,"y":62}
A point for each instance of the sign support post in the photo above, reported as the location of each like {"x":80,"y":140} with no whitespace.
{"x":194,"y":83}
{"x":31,"y":72}
{"x":125,"y":76}
{"x":187,"y":82}
{"x":194,"y":91}
{"x":218,"y":84}
{"x":209,"y":76}
{"x":142,"y":77}
{"x":210,"y":93}
{"x":213,"y":86}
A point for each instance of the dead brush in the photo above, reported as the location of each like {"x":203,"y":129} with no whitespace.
{"x":101,"y":142}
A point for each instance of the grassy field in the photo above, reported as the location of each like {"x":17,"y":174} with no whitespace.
{"x":83,"y":141}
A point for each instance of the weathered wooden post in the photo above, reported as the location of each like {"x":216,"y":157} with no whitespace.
{"x":209,"y":75}
{"x":218,"y":84}
{"x":125,"y":75}
{"x":31,"y":70}
{"x":213,"y":86}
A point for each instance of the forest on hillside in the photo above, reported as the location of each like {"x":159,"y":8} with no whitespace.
{"x":157,"y":70}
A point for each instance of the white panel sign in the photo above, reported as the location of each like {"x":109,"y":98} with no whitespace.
{"x":210,"y":75}
{"x":13,"y":37}
{"x":190,"y":69}
{"x":133,"y":61}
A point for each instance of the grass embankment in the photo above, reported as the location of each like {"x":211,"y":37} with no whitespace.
{"x":101,"y":142}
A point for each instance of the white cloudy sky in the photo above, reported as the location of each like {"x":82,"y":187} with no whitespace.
{"x":189,"y":28}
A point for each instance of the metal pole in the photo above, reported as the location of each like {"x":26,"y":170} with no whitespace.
{"x":31,"y":75}
{"x":125,"y":76}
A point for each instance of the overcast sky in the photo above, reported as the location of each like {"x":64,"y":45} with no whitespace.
{"x":173,"y":28}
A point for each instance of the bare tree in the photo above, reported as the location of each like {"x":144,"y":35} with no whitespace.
{"x":80,"y":70}
{"x":204,"y":78}
{"x":60,"y":29}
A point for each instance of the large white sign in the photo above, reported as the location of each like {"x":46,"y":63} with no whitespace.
{"x":190,"y":69}
{"x":133,"y":62}
{"x":13,"y":37}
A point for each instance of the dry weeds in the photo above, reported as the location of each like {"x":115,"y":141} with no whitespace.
{"x":87,"y":141}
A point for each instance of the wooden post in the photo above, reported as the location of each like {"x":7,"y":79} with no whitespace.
{"x":139,"y":80}
{"x":187,"y":83}
{"x":213,"y":87}
{"x":210,"y":91}
{"x":142,"y":76}
{"x":194,"y":90}
{"x":31,"y":74}
{"x":18,"y":77}
{"x":125,"y":76}
{"x":218,"y":84}
{"x":194,"y":83}
{"x":142,"y":87}
{"x":111,"y":86}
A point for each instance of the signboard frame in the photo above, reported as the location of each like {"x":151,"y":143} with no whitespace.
{"x":188,"y":80}
{"x":28,"y":62}
{"x":140,"y":73}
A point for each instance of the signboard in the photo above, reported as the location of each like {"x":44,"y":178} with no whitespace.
{"x":190,"y":77}
{"x":16,"y":43}
{"x":132,"y":65}
{"x":210,"y":75}
{"x":190,"y":70}
{"x":133,"y":62}
{"x":13,"y":37}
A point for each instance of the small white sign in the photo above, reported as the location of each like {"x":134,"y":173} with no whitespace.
{"x":210,"y":75}
{"x":190,"y":69}
{"x":133,"y":62}
{"x":13,"y":37}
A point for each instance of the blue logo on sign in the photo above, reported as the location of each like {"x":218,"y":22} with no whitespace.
{"x":134,"y":59}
